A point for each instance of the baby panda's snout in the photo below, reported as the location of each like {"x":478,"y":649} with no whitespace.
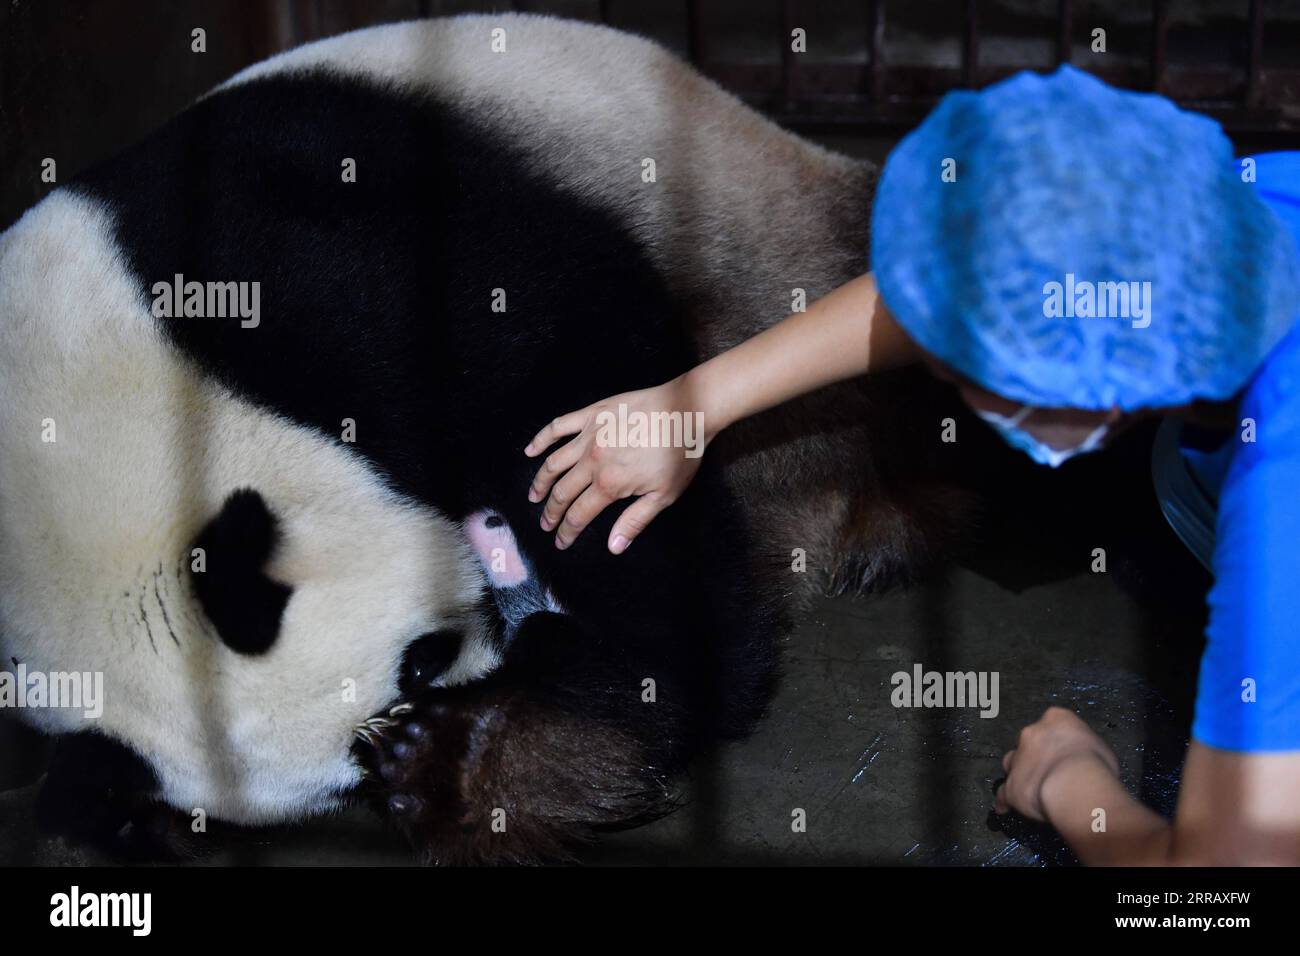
{"x":516,"y":590}
{"x":431,"y":660}
{"x":495,"y":545}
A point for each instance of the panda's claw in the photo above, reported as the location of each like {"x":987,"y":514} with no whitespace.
{"x":403,"y":708}
{"x":372,"y":730}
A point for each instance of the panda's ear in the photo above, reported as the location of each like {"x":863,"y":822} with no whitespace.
{"x":100,"y":792}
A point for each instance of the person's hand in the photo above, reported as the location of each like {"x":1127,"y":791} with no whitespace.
{"x":598,"y":467}
{"x":1045,"y":746}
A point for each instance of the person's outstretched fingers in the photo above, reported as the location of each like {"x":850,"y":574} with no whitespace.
{"x":635,"y":518}
{"x":565,"y":492}
{"x":569,"y":424}
{"x":580,"y":514}
{"x":555,"y":465}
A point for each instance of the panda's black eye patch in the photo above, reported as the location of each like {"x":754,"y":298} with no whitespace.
{"x":241,"y":601}
{"x":426,"y":659}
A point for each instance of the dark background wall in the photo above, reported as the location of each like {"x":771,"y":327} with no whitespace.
{"x":79,"y":79}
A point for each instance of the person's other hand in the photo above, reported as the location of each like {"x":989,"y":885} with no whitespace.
{"x":1045,"y":746}
{"x":599,"y":466}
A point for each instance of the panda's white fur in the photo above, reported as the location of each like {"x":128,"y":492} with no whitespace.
{"x":96,"y":530}
{"x":142,"y":434}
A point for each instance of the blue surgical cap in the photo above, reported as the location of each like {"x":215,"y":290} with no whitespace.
{"x":1061,"y":184}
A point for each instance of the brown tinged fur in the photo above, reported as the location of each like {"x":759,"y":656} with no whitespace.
{"x":526,"y":765}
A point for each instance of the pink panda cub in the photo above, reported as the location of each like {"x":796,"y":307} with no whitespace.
{"x":515,"y":587}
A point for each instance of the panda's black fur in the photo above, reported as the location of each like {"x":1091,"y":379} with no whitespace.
{"x":376,"y":306}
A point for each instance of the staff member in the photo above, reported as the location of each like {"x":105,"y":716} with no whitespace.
{"x":1073,"y":258}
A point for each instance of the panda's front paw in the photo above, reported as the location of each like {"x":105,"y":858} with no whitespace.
{"x":388,"y":756}
{"x":420,"y":761}
{"x":499,"y":772}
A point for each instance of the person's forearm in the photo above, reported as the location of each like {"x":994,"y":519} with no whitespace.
{"x":846,"y":333}
{"x":1100,"y":820}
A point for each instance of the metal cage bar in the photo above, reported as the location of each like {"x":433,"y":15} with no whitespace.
{"x":970,"y":45}
{"x":695,"y":31}
{"x":787,"y":51}
{"x":1254,"y":55}
{"x":1064,"y":30}
{"x":1159,"y":43}
{"x":876,"y":49}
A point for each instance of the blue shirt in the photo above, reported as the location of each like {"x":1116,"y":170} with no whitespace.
{"x":1248,"y":697}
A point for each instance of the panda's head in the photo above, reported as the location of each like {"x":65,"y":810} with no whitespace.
{"x":249,"y":589}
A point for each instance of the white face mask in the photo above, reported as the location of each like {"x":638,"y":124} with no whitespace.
{"x":1011,"y":432}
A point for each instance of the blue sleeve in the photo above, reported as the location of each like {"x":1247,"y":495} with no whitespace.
{"x":1248,"y":698}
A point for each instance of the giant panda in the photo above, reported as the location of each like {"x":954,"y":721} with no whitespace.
{"x":297,"y":543}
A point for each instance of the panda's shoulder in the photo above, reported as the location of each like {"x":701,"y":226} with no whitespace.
{"x":459,"y":57}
